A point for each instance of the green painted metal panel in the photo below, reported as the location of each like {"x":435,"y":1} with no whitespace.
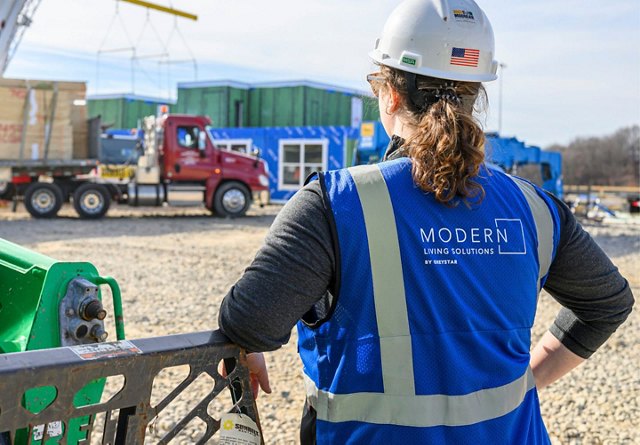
{"x":345,"y":109}
{"x":349,"y":152}
{"x":298,"y":106}
{"x":266,"y":107}
{"x":312,"y":106}
{"x":254,"y":108}
{"x":226,"y":106}
{"x":134,"y":110}
{"x":238,"y":107}
{"x":122,"y":112}
{"x":272,"y":106}
{"x":213,"y":105}
{"x":327,"y":107}
{"x":22,"y":274}
{"x":31,"y":288}
{"x":370,"y":111}
{"x":110,"y":110}
{"x":189,"y":101}
{"x":284,"y":108}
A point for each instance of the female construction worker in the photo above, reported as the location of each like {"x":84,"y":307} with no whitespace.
{"x":414,"y":282}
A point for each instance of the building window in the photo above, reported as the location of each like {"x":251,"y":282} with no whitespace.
{"x":240,"y":145}
{"x":188,"y":137}
{"x":298,"y":159}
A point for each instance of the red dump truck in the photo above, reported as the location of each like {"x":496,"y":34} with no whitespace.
{"x":179,"y":166}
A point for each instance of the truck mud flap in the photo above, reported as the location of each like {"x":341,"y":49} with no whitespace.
{"x":130,"y":415}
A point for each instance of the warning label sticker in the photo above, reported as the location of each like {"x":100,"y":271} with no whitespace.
{"x":54,"y":429}
{"x":95,"y":351}
{"x":238,"y":429}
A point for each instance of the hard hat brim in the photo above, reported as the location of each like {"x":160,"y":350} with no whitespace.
{"x":384,"y":59}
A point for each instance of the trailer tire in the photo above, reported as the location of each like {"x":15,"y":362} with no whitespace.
{"x":43,"y":199}
{"x":232,"y":199}
{"x":91,"y":201}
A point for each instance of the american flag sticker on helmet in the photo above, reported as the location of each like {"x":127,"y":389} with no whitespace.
{"x":464,"y":57}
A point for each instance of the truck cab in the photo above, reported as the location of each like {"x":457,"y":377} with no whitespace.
{"x":182,"y":166}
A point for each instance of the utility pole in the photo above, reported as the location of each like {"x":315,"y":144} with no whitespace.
{"x":502,"y":67}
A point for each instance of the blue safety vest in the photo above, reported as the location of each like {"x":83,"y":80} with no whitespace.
{"x":428,"y":337}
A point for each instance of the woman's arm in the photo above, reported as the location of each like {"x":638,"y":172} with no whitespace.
{"x":550,"y":360}
{"x":596,"y":300}
{"x":290,"y":273}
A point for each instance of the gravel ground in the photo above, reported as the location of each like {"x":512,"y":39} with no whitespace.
{"x":175,"y":265}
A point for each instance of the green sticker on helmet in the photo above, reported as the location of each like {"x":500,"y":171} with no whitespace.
{"x":409,"y":60}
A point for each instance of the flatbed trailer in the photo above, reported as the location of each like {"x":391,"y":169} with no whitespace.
{"x":53,"y":168}
{"x":44,"y":185}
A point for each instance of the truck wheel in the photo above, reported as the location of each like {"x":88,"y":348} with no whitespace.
{"x":91,"y":201}
{"x":231,"y":199}
{"x":43,"y":199}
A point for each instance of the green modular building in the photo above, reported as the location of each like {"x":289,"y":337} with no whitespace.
{"x":232,"y":104}
{"x":124,"y":110}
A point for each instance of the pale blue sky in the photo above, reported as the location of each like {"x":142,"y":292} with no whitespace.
{"x":573,"y":67}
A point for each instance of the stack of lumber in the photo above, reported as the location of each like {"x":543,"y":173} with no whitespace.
{"x":26,"y":111}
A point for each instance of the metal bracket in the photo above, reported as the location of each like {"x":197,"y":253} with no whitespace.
{"x":81,"y":314}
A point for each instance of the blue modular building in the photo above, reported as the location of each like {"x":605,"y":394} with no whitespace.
{"x":292,"y":153}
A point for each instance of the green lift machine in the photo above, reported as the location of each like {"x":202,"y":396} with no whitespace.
{"x":45,"y":303}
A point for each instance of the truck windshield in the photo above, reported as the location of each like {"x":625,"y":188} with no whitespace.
{"x":188,"y":136}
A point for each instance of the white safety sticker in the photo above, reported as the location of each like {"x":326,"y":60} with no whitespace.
{"x":38,"y":432}
{"x":54,"y":429}
{"x":238,"y":429}
{"x":93,"y":351}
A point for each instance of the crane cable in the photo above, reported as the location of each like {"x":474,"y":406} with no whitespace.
{"x":164,"y":54}
{"x":192,"y":59}
{"x":135,"y":58}
{"x":132,"y":48}
{"x":186,"y":45}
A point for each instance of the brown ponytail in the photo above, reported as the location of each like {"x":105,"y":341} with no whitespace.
{"x":447,"y":147}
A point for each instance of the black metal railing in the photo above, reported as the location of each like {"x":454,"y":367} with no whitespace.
{"x":127,"y":416}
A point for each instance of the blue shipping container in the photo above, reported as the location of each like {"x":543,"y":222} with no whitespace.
{"x":292,"y":153}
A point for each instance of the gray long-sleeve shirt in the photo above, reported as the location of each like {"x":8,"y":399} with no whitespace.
{"x":294,"y":269}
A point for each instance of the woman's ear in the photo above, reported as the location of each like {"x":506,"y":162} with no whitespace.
{"x":394,"y":100}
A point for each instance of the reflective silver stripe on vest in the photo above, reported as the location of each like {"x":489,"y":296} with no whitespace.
{"x":388,"y":282}
{"x":544,"y":226}
{"x":420,"y":410}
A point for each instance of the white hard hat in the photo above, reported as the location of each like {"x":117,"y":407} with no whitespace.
{"x":447,"y":39}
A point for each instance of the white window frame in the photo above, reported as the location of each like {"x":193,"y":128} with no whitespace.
{"x":225,"y":144}
{"x":300,"y":142}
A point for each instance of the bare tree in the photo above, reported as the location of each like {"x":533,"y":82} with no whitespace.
{"x":607,"y":160}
